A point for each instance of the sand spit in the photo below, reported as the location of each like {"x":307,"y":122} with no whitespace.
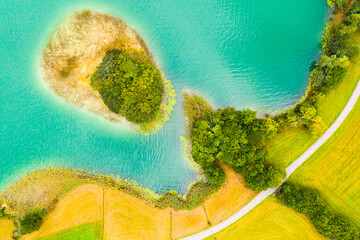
{"x":77,"y":48}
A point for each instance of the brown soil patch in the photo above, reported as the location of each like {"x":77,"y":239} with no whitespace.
{"x":338,"y":18}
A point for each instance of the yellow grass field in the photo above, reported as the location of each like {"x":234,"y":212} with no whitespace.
{"x":270,"y":220}
{"x":232,"y":197}
{"x":187,"y":222}
{"x":121,"y":216}
{"x":6,"y":229}
{"x":126,"y":217}
{"x":334,"y":169}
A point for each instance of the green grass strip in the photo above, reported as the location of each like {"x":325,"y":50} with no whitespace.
{"x":87,"y":231}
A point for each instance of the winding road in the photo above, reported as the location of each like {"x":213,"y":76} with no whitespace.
{"x":289,"y":170}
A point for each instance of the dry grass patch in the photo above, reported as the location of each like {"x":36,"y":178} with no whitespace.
{"x":233,"y":195}
{"x":188,"y":222}
{"x":270,"y":220}
{"x":6,"y":229}
{"x":82,"y":205}
{"x":131,"y":219}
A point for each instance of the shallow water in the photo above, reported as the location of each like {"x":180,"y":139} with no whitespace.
{"x":243,"y":53}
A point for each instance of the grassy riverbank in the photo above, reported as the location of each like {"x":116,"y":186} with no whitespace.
{"x":44,"y":188}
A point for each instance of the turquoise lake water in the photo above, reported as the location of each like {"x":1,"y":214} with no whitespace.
{"x":241,"y":53}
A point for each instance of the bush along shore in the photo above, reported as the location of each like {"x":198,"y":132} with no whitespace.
{"x":233,"y":137}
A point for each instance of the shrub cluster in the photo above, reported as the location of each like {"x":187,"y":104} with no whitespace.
{"x":32,"y":221}
{"x":196,"y":196}
{"x":325,"y":220}
{"x":129,"y":85}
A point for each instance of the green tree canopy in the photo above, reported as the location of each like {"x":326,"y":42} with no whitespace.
{"x":236,"y":138}
{"x":129,"y":85}
{"x":325,"y":220}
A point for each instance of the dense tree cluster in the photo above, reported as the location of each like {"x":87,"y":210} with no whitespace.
{"x":329,"y":72}
{"x":325,"y":220}
{"x":236,"y":138}
{"x":129,"y":85}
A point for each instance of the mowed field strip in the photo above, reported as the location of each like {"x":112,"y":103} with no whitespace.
{"x":270,"y":220}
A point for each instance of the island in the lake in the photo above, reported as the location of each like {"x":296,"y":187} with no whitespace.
{"x":99,"y":63}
